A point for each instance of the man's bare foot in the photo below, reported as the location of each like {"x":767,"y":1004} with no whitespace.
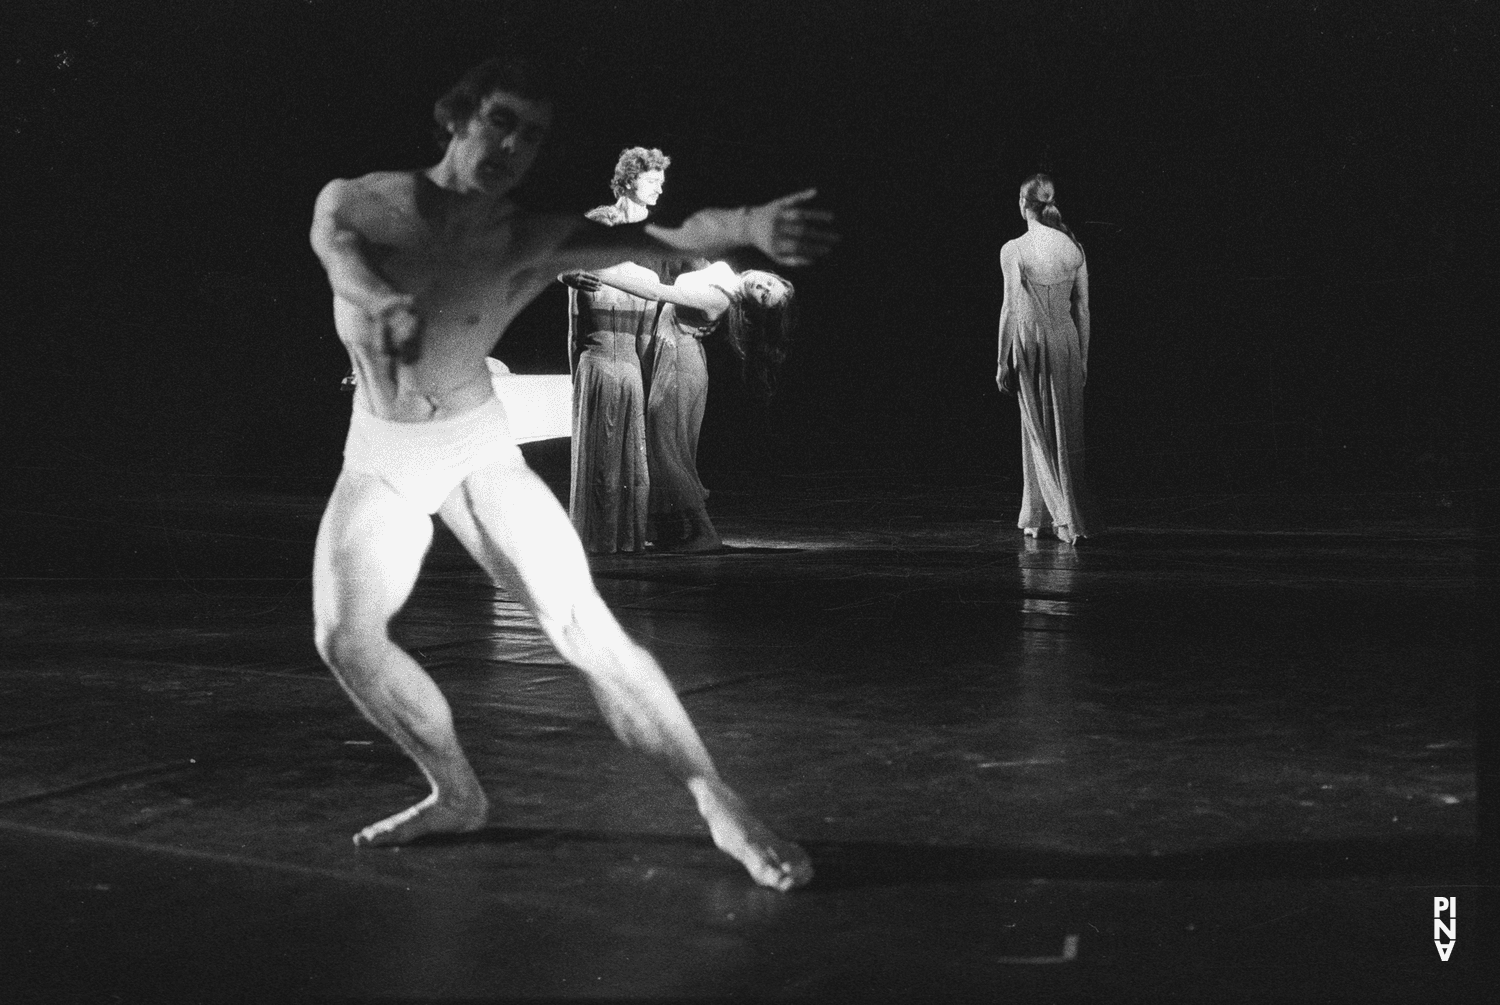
{"x":431,"y":816}
{"x":771,"y":861}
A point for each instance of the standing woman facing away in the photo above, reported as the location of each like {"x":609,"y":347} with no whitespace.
{"x":1044,"y":353}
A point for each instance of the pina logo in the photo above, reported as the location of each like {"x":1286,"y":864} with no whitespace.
{"x":1444,"y":925}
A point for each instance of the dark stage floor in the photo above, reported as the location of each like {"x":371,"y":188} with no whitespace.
{"x":1199,"y":758}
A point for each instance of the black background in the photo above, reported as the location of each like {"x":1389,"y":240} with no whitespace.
{"x":1284,"y":206}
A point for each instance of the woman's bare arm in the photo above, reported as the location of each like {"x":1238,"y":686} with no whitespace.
{"x":1010,"y":272}
{"x":1081,"y":314}
{"x":707,"y":299}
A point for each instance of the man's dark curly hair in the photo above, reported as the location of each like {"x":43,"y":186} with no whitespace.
{"x":634,"y":162}
{"x":517,"y":75}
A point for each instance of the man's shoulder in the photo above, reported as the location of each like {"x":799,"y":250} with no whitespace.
{"x":609,"y":214}
{"x":382,"y":186}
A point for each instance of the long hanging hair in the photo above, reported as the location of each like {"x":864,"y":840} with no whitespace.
{"x":1040,"y":196}
{"x":760,"y":337}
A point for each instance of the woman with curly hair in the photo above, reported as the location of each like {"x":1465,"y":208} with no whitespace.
{"x":754,"y":312}
{"x":1044,"y":354}
{"x":608,"y":331}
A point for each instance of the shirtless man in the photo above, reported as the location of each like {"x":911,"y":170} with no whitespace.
{"x":428,"y":268}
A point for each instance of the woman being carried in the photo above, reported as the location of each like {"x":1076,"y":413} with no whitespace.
{"x":1044,"y":352}
{"x":753,"y":310}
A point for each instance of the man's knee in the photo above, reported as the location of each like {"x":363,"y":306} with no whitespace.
{"x":588,"y":636}
{"x":349,"y":648}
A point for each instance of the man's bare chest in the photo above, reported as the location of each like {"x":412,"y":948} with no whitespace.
{"x":419,"y":253}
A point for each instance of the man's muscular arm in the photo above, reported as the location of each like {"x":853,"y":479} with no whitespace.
{"x":341,"y":249}
{"x":785,"y":230}
{"x":788,"y":232}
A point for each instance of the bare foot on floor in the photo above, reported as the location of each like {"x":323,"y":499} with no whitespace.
{"x":430,"y":816}
{"x":703,"y":542}
{"x":687,"y":532}
{"x":692,"y":546}
{"x":771,"y":861}
{"x":702,"y":538}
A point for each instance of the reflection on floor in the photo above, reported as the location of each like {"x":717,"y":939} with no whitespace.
{"x":1183,"y":762}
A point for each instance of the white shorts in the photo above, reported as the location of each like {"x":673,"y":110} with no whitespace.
{"x":425,"y":461}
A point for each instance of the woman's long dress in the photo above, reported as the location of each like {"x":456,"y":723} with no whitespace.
{"x":610,"y":487}
{"x":674,"y":414}
{"x":1050,"y":366}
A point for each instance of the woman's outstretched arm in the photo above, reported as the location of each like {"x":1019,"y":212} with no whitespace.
{"x":704,"y":299}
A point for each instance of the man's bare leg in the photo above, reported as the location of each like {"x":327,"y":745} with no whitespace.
{"x":513,"y":526}
{"x":370,"y":548}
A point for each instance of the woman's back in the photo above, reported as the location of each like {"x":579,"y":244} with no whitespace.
{"x":1047,"y":256}
{"x":607,"y":300}
{"x":1047,"y":263}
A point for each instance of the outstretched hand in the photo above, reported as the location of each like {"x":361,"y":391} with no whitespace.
{"x":790,"y":233}
{"x":585,"y":282}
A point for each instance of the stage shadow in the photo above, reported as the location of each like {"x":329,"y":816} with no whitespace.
{"x":725,"y":550}
{"x":849,"y":865}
